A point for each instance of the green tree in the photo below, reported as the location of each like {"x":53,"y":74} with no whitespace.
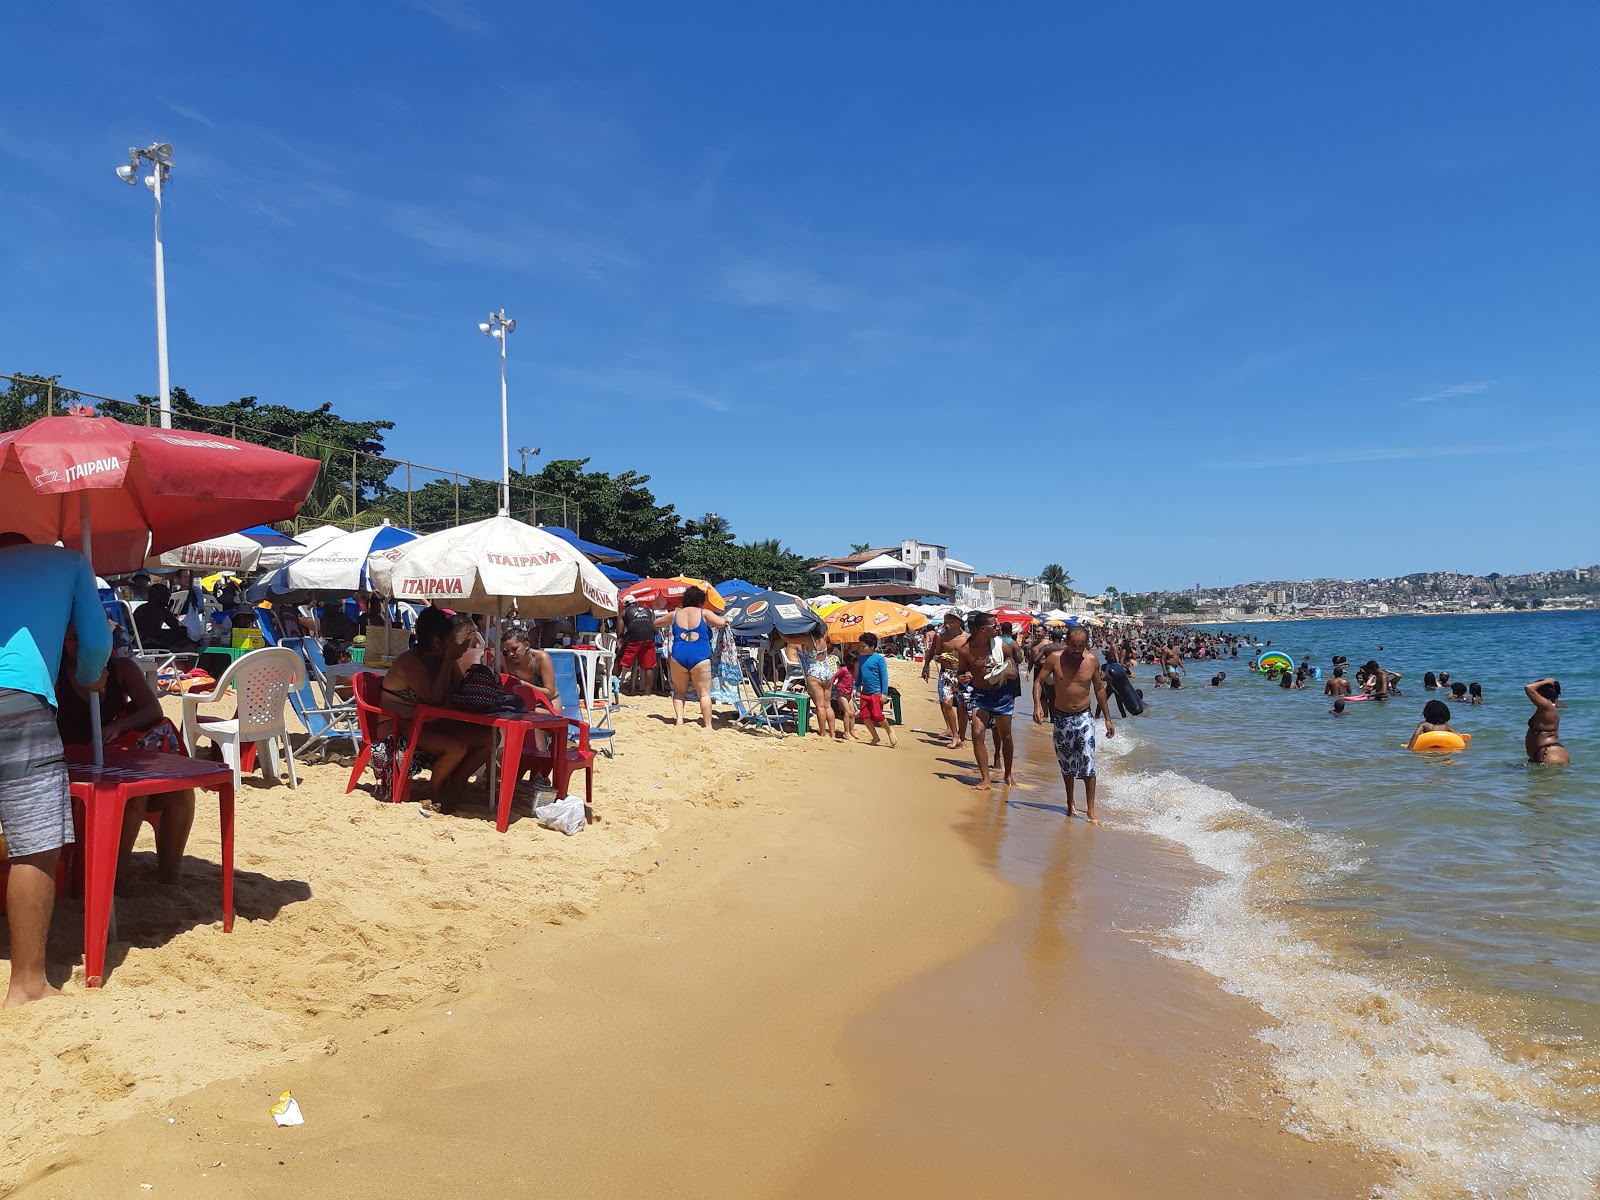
{"x":708,"y":551}
{"x":26,"y":398}
{"x":771,"y":564}
{"x":615,"y":510}
{"x":860,"y":547}
{"x":1055,"y":577}
{"x":304,"y":431}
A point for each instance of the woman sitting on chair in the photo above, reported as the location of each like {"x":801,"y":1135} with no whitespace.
{"x":691,"y":650}
{"x":131,"y":717}
{"x":429,"y":673}
{"x":526,"y":662}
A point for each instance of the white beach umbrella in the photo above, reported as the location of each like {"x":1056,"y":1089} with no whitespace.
{"x":312,"y":538}
{"x":825,"y":598}
{"x":231,"y":552}
{"x":488,"y":566}
{"x":337,"y":566}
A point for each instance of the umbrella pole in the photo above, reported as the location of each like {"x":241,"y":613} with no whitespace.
{"x":87,"y":539}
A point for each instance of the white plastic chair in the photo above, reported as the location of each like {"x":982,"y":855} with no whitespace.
{"x":262,"y":681}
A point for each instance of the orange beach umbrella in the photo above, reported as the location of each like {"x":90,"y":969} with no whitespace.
{"x":848,"y":622}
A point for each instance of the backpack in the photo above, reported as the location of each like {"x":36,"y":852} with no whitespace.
{"x":480,"y":692}
{"x":1001,"y":669}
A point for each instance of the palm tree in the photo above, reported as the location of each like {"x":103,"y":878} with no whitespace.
{"x":1055,"y":577}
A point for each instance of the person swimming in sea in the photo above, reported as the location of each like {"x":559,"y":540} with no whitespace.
{"x":1543,"y":740}
{"x":1338,"y":709}
{"x":1435,"y":718}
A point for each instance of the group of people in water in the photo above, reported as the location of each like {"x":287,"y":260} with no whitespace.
{"x":980,"y":666}
{"x":1375,"y":682}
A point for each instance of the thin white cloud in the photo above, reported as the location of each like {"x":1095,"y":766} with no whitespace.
{"x":191,"y":114}
{"x":1455,"y":391}
{"x":1377,"y":454}
{"x":638,"y":383}
{"x":457,"y":15}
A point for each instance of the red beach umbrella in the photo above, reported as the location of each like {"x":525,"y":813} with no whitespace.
{"x":133,"y":487}
{"x":1015,"y":617}
{"x":668,"y":593}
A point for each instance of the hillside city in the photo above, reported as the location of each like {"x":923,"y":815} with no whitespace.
{"x":1422,"y":592}
{"x":914,"y":572}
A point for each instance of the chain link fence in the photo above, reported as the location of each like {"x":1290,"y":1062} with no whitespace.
{"x":354,"y":489}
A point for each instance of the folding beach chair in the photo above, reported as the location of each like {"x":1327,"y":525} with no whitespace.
{"x":757,"y":706}
{"x":327,"y":719}
{"x":153,"y":661}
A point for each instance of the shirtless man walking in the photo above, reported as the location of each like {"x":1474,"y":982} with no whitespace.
{"x":944,"y":653}
{"x":1073,"y":674}
{"x":993,"y":698}
{"x":1172,"y":662}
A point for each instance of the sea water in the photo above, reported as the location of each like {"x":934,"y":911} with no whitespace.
{"x":1422,"y":930}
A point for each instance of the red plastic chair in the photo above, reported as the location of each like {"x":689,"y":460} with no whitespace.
{"x":558,"y":766}
{"x":369,"y":715}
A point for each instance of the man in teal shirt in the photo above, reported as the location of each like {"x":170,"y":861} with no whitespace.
{"x":42,"y":590}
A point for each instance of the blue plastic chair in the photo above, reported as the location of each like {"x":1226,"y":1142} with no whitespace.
{"x":568,"y":692}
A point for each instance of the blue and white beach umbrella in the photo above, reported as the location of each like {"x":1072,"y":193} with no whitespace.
{"x":336,"y":568}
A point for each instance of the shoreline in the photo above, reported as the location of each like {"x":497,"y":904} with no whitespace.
{"x":712,"y":1005}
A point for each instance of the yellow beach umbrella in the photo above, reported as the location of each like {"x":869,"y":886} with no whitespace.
{"x":849,"y":621}
{"x":823,"y":610}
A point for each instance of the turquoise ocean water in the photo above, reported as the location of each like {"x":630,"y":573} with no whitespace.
{"x":1422,"y":929}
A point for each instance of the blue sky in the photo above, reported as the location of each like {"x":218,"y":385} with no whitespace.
{"x":1170,"y":294}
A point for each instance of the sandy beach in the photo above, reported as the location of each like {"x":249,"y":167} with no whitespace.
{"x":773,"y":968}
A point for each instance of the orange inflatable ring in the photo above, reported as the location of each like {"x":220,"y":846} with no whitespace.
{"x":1441,"y":739}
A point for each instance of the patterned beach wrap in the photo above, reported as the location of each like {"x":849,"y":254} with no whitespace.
{"x":35,"y":805}
{"x":726,"y":674}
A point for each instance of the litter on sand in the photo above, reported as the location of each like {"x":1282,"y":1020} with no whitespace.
{"x":287,"y":1111}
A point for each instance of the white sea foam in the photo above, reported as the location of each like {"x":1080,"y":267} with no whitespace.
{"x":1357,"y":1055}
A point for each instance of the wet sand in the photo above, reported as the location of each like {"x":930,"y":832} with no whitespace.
{"x":837,"y":987}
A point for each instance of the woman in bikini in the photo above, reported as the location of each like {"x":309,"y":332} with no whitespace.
{"x":429,"y":673}
{"x":691,"y":650}
{"x":819,"y":667}
{"x":1543,"y":740}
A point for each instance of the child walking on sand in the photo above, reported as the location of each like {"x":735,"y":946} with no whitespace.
{"x":872,"y":685}
{"x":844,"y":684}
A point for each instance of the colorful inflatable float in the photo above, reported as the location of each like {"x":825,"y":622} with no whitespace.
{"x":1273,"y":660}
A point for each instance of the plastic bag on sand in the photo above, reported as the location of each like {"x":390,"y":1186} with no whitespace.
{"x":565,"y":814}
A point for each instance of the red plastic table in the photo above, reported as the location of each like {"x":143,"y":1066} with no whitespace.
{"x":104,"y":792}
{"x":511,"y":727}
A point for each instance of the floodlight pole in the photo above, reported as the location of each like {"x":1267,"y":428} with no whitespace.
{"x":161,"y":303}
{"x":498,"y":326}
{"x":159,"y":156}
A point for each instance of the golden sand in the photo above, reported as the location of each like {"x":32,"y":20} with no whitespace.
{"x":687,"y":998}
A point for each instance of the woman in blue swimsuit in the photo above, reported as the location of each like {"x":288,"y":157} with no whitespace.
{"x":691,"y":650}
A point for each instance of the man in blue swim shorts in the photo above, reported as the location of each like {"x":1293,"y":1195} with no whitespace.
{"x":1072,"y":673}
{"x":991,"y":664}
